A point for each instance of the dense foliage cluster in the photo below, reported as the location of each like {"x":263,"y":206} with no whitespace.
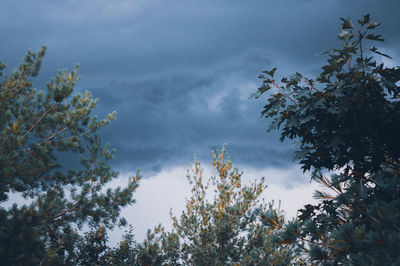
{"x":38,"y":128}
{"x":224,"y":230}
{"x":348,"y":121}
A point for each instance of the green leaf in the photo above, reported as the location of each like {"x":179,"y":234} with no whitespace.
{"x":347,"y":24}
{"x":270,"y":72}
{"x":374,"y":37}
{"x":375,"y":50}
{"x":364,"y":20}
{"x":345,"y":35}
{"x":372,"y":25}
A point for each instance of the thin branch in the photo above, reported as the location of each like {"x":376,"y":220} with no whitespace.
{"x":47,"y":111}
{"x":29,"y":72}
{"x":276,"y":85}
{"x":67,"y":138}
{"x":18,"y":85}
{"x":313,"y":87}
{"x":56,"y":134}
{"x":348,"y":62}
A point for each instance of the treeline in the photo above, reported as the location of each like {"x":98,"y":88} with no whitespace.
{"x":346,"y":122}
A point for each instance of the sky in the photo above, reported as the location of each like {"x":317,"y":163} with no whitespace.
{"x":179,"y":74}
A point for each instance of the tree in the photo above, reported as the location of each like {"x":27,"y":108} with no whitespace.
{"x":225,"y":230}
{"x":37,"y":129}
{"x":347,"y":121}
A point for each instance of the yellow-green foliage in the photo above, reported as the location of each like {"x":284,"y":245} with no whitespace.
{"x":223,"y":231}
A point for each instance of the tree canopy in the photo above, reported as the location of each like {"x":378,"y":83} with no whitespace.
{"x":347,"y":121}
{"x":220,"y":224}
{"x":38,"y":128}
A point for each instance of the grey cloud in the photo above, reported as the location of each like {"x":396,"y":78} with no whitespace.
{"x":163,"y":125}
{"x":179,"y":72}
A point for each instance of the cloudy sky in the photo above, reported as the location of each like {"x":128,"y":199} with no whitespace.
{"x":180,"y":73}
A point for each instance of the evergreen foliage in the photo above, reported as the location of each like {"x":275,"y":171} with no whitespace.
{"x":38,"y":128}
{"x":347,"y":122}
{"x":226,"y":230}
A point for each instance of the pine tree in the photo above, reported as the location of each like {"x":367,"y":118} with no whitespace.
{"x":225,"y":230}
{"x":38,"y":128}
{"x":347,"y":123}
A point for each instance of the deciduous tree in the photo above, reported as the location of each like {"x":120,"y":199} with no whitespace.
{"x":348,"y":121}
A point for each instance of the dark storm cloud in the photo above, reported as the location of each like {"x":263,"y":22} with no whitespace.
{"x":179,"y":73}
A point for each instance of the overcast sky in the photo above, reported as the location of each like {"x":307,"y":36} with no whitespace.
{"x":179,"y":73}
